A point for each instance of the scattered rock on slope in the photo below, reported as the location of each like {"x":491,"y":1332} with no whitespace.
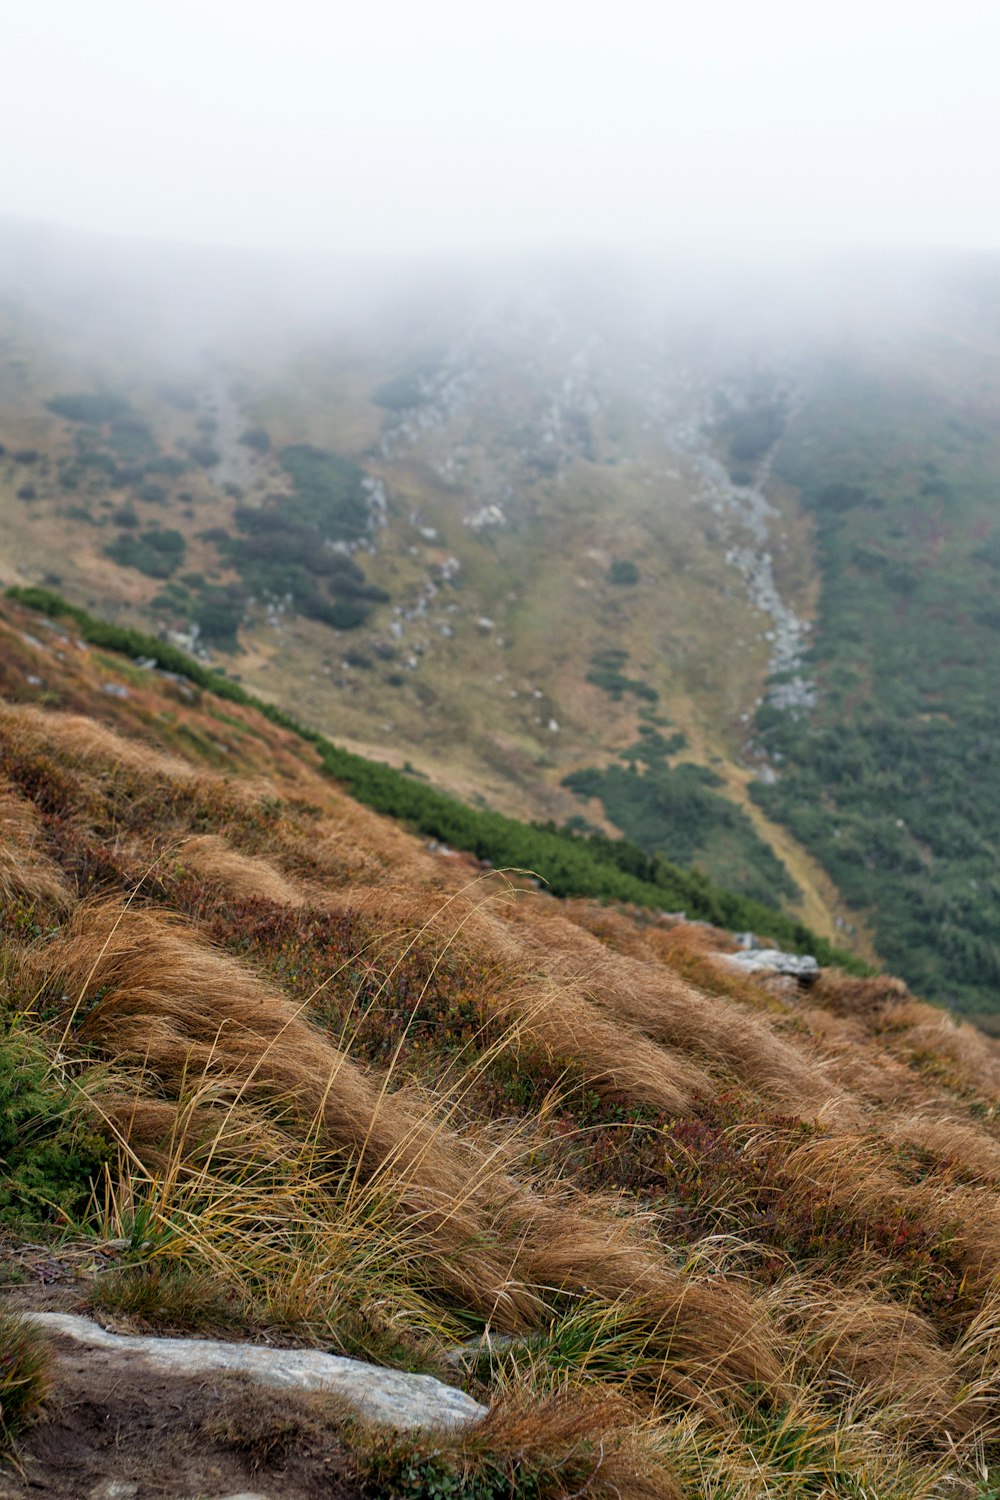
{"x":801,"y":966}
{"x":381,"y":1395}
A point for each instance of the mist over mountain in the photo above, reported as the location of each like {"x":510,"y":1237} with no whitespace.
{"x":500,"y":751}
{"x":698,"y":554}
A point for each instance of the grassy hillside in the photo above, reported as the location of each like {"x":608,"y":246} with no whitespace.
{"x":212,"y":497}
{"x":710,"y":1235}
{"x":568,"y":862}
{"x":544,"y":560}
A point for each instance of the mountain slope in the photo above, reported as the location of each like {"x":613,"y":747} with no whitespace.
{"x":377,"y":1098}
{"x":894,"y":780}
{"x":571,"y":555}
{"x":487,"y":622}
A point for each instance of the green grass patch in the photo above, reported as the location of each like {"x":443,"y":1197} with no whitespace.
{"x":675,"y":812}
{"x":50,"y":1152}
{"x":24,"y":1377}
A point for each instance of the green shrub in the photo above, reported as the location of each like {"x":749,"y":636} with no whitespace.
{"x":676,"y":813}
{"x":168,"y":465}
{"x":616,"y":683}
{"x":156,"y":553}
{"x":751,"y":431}
{"x":218,"y":613}
{"x":204,"y":454}
{"x":132,"y":437}
{"x":329,"y":493}
{"x":399,"y":394}
{"x":893,"y":781}
{"x":258,"y":438}
{"x":93,"y":407}
{"x":282,"y":559}
{"x":341,"y":614}
{"x":49,"y":1150}
{"x":623,"y":572}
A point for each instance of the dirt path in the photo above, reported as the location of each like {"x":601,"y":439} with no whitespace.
{"x":149,"y":1438}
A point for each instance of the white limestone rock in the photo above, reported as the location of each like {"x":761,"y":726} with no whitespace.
{"x":801,"y":966}
{"x":390,"y":1397}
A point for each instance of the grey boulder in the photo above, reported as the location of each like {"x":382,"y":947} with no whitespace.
{"x":390,"y":1397}
{"x":801,"y":966}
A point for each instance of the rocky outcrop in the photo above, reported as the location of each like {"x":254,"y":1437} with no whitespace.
{"x":800,"y":966}
{"x":390,"y":1397}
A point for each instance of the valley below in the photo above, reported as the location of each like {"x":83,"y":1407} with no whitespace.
{"x":571,"y":557}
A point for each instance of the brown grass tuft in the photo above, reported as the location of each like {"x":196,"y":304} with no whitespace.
{"x":27,"y":876}
{"x":561,"y":1444}
{"x":145,"y":989}
{"x":224,"y":869}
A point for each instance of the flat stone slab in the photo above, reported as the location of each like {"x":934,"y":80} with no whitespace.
{"x":390,"y":1397}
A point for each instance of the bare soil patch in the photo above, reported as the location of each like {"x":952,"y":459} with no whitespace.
{"x":135,"y":1435}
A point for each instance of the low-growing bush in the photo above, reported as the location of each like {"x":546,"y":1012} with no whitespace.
{"x":218,"y":613}
{"x":132,"y":437}
{"x":258,"y":438}
{"x":679,"y":813}
{"x":157,"y":553}
{"x":168,"y":465}
{"x":329,"y":492}
{"x":616,"y":683}
{"x":204,"y":454}
{"x":401,"y":393}
{"x":93,"y":407}
{"x":50,"y":1152}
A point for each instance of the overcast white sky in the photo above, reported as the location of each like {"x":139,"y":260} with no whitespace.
{"x":432,"y":125}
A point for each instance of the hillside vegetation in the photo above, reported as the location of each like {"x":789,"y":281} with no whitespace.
{"x":706,"y":1235}
{"x":894,"y":781}
{"x":439,"y":580}
{"x":724,"y":587}
{"x":570,"y":863}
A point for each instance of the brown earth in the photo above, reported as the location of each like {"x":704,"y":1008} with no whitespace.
{"x":114,"y":1432}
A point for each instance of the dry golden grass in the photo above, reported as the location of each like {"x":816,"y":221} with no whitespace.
{"x":560,"y":1443}
{"x":146,"y":991}
{"x":577,"y":999}
{"x":27,"y":875}
{"x":223,"y":868}
{"x":258,"y":1145}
